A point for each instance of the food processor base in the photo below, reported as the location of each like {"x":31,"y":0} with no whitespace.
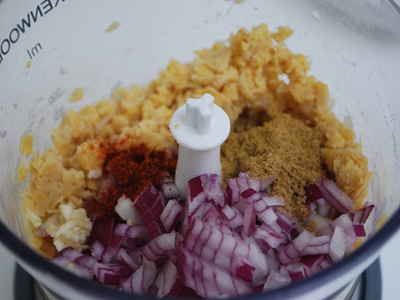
{"x":366,"y":287}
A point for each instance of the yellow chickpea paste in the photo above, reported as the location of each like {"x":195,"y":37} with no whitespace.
{"x":294,"y":136}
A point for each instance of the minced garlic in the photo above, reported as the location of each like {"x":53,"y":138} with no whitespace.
{"x":72,"y":228}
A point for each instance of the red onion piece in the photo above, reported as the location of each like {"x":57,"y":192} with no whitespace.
{"x":97,"y":249}
{"x":284,"y":221}
{"x":110,"y":274}
{"x":338,"y":245}
{"x":313,"y":192}
{"x":233,"y":216}
{"x":243,"y":270}
{"x":160,"y":246}
{"x":249,"y":220}
{"x":312,"y":261}
{"x":171,"y":214}
{"x":211,"y":245}
{"x":344,"y":221}
{"x":317,"y":245}
{"x":115,"y":243}
{"x":127,"y":211}
{"x":170,"y":190}
{"x":276,"y":279}
{"x":324,"y":209}
{"x":298,"y":271}
{"x":102,"y":229}
{"x":86,"y":261}
{"x":335,"y":196}
{"x":267,"y":216}
{"x":318,"y":221}
{"x":361,"y":216}
{"x":196,"y":199}
{"x":207,"y":279}
{"x":236,"y":186}
{"x":146,"y":199}
{"x":268,"y":238}
{"x":250,"y":195}
{"x":168,"y":186}
{"x":155,"y":229}
{"x":212,"y":187}
{"x":168,"y":281}
{"x":359,"y":230}
{"x":232,"y":191}
{"x":133,"y":234}
{"x":67,"y":255}
{"x":150,"y":204}
{"x":140,"y":281}
{"x":124,"y":258}
{"x":274,"y":201}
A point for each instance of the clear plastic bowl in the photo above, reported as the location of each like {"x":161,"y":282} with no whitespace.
{"x":353,"y":45}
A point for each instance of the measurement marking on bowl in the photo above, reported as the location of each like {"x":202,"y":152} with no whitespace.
{"x":34,"y":50}
{"x":21,"y":28}
{"x":55,"y":95}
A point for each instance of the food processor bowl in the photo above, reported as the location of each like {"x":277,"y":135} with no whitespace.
{"x":48,"y":48}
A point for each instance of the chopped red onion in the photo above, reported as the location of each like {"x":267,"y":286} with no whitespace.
{"x":140,"y":280}
{"x":110,"y":274}
{"x":217,"y":243}
{"x":207,"y":279}
{"x":127,"y":211}
{"x":338,"y":245}
{"x":168,"y":186}
{"x":150,"y":204}
{"x":125,"y":259}
{"x":236,"y":186}
{"x":324,"y":209}
{"x":266,"y":236}
{"x":335,"y":196}
{"x":276,"y":279}
{"x":160,"y":246}
{"x":170,"y":190}
{"x":274,"y":201}
{"x":313,"y":193}
{"x":249,"y":220}
{"x":234,"y":218}
{"x":319,"y":222}
{"x":212,"y":187}
{"x":232,"y":191}
{"x":298,"y":271}
{"x":97,"y":249}
{"x":102,"y":229}
{"x":359,"y":230}
{"x":171,"y":214}
{"x":67,"y":255}
{"x":168,"y":281}
{"x":313,"y":262}
{"x":361,"y":216}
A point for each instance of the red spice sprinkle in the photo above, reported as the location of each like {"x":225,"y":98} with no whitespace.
{"x":129,"y":172}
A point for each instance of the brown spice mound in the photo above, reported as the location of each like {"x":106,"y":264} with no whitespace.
{"x":283,"y":148}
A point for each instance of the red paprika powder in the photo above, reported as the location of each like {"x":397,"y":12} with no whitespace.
{"x":128,"y":172}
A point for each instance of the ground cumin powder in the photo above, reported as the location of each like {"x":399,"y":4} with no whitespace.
{"x":279,"y":146}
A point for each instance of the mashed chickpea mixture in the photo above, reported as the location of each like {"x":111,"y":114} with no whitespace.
{"x":244,"y":73}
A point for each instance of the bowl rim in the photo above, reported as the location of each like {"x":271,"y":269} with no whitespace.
{"x":26,"y":255}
